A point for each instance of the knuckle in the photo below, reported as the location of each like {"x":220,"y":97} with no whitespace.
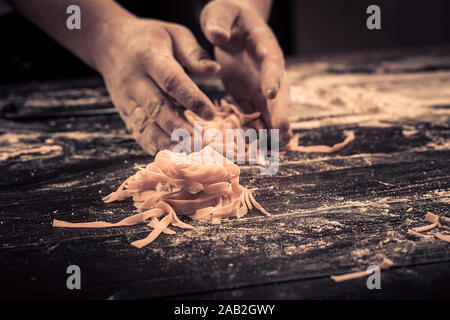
{"x":128,"y":109}
{"x":143,"y":54}
{"x":126,"y":81}
{"x":151,"y":149}
{"x":128,"y":122}
{"x":260,"y":32}
{"x":146,"y":138}
{"x":170,"y":82}
{"x":148,"y":146}
{"x":196,"y":105}
{"x":172,"y":124}
{"x":198,"y":54}
{"x":159,"y":34}
{"x":180,"y":29}
{"x":139,"y":119}
{"x":155,"y":108}
{"x":163,"y":142}
{"x":143,"y":49}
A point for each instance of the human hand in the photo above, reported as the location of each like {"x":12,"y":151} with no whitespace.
{"x":142,"y":64}
{"x":253,"y":67}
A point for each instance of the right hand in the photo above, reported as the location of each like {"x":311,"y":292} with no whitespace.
{"x":142,"y":65}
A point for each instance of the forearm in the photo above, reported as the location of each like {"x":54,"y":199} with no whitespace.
{"x":262,"y":7}
{"x":98,"y":19}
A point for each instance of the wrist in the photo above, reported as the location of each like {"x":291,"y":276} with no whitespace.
{"x":107,"y":39}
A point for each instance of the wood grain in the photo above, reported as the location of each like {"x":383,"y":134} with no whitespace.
{"x":332,"y":214}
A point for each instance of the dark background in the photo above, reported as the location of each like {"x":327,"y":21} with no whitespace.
{"x":304,"y":27}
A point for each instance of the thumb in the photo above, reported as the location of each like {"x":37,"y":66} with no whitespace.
{"x":217,"y":20}
{"x":278,"y":111}
{"x":190,"y":54}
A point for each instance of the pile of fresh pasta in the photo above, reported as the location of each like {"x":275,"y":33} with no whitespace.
{"x":203,"y":185}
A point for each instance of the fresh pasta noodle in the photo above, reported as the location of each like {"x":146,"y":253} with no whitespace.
{"x":228,"y":116}
{"x":293,"y":145}
{"x":384,"y":265}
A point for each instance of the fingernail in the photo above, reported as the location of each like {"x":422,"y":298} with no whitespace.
{"x":206,"y":114}
{"x":217,"y":68}
{"x":261,"y":51}
{"x":218,"y":34}
{"x":213,"y":66}
{"x":271,"y":93}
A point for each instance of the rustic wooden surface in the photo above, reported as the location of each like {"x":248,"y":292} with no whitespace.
{"x":332,"y":214}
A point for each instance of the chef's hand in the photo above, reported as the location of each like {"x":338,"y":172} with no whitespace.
{"x":142,"y":65}
{"x":141,"y":61}
{"x":253,"y":69}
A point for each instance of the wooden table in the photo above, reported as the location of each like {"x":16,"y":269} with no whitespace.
{"x":63,"y":147}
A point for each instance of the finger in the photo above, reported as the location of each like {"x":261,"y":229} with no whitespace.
{"x":277,"y":115}
{"x":144,"y":130}
{"x":263,"y":46}
{"x":190,"y":54}
{"x":272,"y":65}
{"x":171,"y":78}
{"x":249,"y":107}
{"x":217,"y":20}
{"x":272,"y":70}
{"x":157,"y":105}
{"x":154,"y":137}
{"x":136,"y":120}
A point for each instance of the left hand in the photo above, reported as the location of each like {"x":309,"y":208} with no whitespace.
{"x":253,"y":67}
